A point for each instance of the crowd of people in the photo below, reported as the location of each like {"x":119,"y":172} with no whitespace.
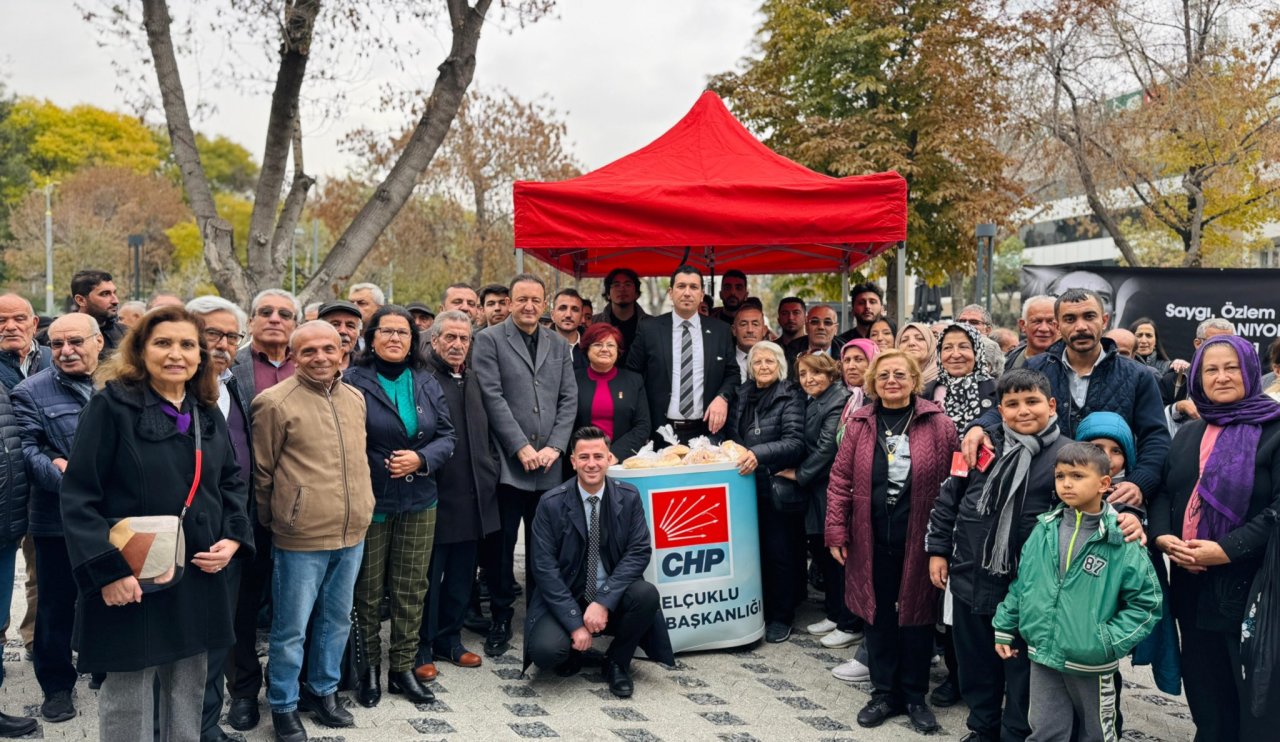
{"x":179,"y":475}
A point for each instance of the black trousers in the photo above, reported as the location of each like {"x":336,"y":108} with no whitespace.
{"x":833,"y":604}
{"x":988,"y":683}
{"x":513,"y":506}
{"x":216,"y":663}
{"x":898,"y":656}
{"x":549,"y":645}
{"x":243,"y":671}
{"x":452,"y":568}
{"x":782,"y":565}
{"x":1216,"y":693}
{"x":55,"y":615}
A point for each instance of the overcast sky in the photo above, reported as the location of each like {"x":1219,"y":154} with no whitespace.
{"x":620,"y":71}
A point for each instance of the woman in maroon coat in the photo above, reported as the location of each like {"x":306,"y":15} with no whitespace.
{"x":891,"y":463}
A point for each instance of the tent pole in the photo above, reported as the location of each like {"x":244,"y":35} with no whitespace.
{"x":901,"y":270}
{"x":844,"y":293}
{"x":710,"y":254}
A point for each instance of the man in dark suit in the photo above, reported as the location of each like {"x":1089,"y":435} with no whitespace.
{"x":530,"y":397}
{"x":687,"y":361}
{"x":590,"y":577}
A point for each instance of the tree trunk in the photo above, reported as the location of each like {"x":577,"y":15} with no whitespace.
{"x":227,"y":273}
{"x":892,"y":291}
{"x":1195,"y":228}
{"x":446,"y":96}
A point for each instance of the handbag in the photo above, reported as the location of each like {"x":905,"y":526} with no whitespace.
{"x":154,"y":546}
{"x":786,"y":496}
{"x":1260,"y":629}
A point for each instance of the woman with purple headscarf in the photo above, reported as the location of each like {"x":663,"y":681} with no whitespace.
{"x":1222,"y":472}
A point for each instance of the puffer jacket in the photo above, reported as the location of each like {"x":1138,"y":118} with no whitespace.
{"x":13,"y":475}
{"x":821,"y":423}
{"x":1118,"y":385}
{"x":310,"y":470}
{"x":1084,"y":621}
{"x":775,"y":434}
{"x":849,"y":520}
{"x":11,"y":367}
{"x":957,"y":530}
{"x":48,"y":412}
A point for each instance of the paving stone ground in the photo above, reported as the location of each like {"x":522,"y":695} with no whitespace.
{"x":766,"y":692}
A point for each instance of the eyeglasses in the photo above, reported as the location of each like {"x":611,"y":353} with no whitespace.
{"x":604,"y":346}
{"x":899,"y":376}
{"x":213,"y":337}
{"x":73,"y":342}
{"x":972,"y":322}
{"x":266,"y":312}
{"x":818,"y":322}
{"x":393,"y":332}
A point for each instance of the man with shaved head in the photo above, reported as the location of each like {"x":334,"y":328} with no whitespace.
{"x":47,"y":406}
{"x":313,"y":491}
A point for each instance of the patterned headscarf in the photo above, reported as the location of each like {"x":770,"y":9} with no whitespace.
{"x":963,"y":402}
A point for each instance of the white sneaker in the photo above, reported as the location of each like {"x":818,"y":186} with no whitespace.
{"x":821,"y":628}
{"x":839,"y":639}
{"x":852,"y":671}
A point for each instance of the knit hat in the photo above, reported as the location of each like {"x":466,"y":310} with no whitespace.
{"x":1111,"y":426}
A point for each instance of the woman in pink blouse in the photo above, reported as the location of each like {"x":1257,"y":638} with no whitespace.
{"x":609,"y":397}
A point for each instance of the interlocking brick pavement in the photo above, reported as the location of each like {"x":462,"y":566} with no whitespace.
{"x":765,"y":692}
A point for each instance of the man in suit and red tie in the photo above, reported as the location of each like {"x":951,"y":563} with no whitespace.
{"x":688,"y":362}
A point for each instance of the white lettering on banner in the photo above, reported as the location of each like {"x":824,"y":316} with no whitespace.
{"x":1229,"y":311}
{"x":1258,"y":329}
{"x":1199,"y":314}
{"x":706,"y":618}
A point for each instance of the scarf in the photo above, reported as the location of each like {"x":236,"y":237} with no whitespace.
{"x":928,"y":371}
{"x":1008,"y":479}
{"x":963,"y":401}
{"x":1226,"y":482}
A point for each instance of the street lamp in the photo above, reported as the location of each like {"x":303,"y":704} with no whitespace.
{"x":48,"y":247}
{"x":986,"y":234}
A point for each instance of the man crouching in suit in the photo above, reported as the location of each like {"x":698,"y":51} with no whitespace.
{"x":589,"y":577}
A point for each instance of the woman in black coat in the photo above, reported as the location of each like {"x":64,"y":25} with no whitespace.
{"x":409,"y":436}
{"x":611,"y":398}
{"x":1209,"y":518}
{"x":134,"y":455}
{"x":826,"y":396}
{"x":768,"y":418}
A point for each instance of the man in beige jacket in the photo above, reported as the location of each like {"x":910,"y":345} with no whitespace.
{"x":312,"y":483}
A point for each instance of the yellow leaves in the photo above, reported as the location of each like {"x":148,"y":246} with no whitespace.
{"x":66,"y":140}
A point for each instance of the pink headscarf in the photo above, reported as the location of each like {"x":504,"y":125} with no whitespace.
{"x":856,"y":396}
{"x":868,"y":348}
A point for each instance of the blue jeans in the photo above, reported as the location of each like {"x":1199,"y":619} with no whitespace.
{"x":8,"y":565}
{"x":304,"y":582}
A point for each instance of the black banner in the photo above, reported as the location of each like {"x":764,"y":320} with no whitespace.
{"x":1177,"y":299}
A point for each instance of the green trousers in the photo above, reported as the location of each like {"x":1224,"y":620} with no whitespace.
{"x":397,"y":549}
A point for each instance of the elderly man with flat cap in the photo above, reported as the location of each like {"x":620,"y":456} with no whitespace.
{"x":346,"y":318}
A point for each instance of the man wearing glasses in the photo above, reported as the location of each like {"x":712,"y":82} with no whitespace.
{"x":266,"y":361}
{"x":47,"y":406}
{"x":976,"y":317}
{"x":823,"y":323}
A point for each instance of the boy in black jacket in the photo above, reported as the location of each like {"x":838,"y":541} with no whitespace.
{"x":976,"y":532}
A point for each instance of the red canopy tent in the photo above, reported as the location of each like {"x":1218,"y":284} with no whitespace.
{"x":710,"y":194}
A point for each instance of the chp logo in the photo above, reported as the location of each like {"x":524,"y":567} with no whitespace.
{"x":691,"y":533}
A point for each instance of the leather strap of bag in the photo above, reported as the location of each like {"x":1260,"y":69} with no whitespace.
{"x":195,"y":482}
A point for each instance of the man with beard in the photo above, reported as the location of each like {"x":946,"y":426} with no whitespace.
{"x":347,"y":319}
{"x":748,"y":329}
{"x":733,"y":291}
{"x":47,"y":406}
{"x":1039,"y":326}
{"x":468,"y":507}
{"x":566,"y":319}
{"x":95,"y":295}
{"x":823,"y":324}
{"x":622,"y":290}
{"x":462,"y":297}
{"x":1088,"y":375}
{"x":791,"y":313}
{"x":867,"y":301}
{"x":495,"y":302}
{"x":224,"y":328}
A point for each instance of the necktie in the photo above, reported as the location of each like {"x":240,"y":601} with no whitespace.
{"x":593,"y":550}
{"x":686,"y":370}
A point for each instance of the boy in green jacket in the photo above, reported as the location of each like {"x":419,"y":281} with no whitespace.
{"x":1083,"y":598}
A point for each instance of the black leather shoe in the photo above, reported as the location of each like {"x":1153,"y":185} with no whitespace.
{"x":243,"y":714}
{"x":288,"y":727}
{"x":945,"y":695}
{"x":325,"y":709}
{"x":476,"y":621}
{"x":922,"y":718}
{"x":499,"y":639}
{"x":16,"y":726}
{"x":620,"y":683}
{"x":571,"y":666}
{"x":58,"y":707}
{"x":217,"y":735}
{"x":95,"y":680}
{"x":875,"y":713}
{"x":405,"y":683}
{"x":369,"y":687}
